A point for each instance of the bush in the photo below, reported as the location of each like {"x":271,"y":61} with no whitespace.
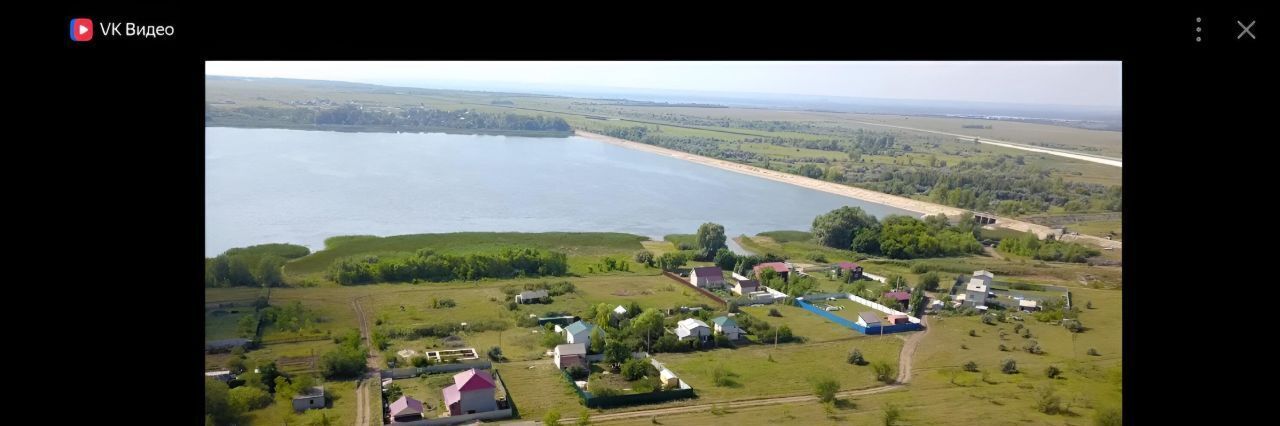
{"x":1003,"y":348}
{"x":1093,"y":352}
{"x":246,"y":398}
{"x":826,"y":389}
{"x":597,"y":387}
{"x":891,"y":414}
{"x":919,"y":268}
{"x":1049,"y":402}
{"x":552,"y":418}
{"x":930,"y":281}
{"x":722,"y":376}
{"x":420,"y":361}
{"x":884,"y":372}
{"x":973,"y":333}
{"x":394,"y":392}
{"x":1074,"y":325}
{"x":1052,"y":372}
{"x":1108,"y":417}
{"x":1009,"y":366}
{"x":512,"y":305}
{"x":1033,"y":347}
{"x":635,"y":368}
{"x":1088,"y":304}
{"x":578,"y":373}
{"x":971,"y":367}
{"x":344,"y":362}
{"x":495,"y":354}
{"x":856,"y":358}
{"x":773,"y":312}
{"x":644,"y":257}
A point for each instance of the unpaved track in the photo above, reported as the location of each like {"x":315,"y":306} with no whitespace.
{"x":374,"y":361}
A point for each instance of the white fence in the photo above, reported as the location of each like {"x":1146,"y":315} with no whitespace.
{"x":875,"y":277}
{"x":883,"y":308}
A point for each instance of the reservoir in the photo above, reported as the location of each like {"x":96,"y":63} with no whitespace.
{"x":301,"y":187}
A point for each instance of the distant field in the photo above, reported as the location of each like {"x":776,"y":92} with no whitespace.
{"x":1098,"y":142}
{"x":223,"y":323}
{"x":571,"y":243}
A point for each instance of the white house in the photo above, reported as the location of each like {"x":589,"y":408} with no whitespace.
{"x":745,"y":287}
{"x":975,"y":294}
{"x":986,"y":276}
{"x":619,"y":311}
{"x":579,"y":332}
{"x":309,"y":398}
{"x":707,"y":277}
{"x":728,"y":327}
{"x":531,"y":296}
{"x":692,"y":328}
{"x":569,"y":355}
{"x":868,"y":319}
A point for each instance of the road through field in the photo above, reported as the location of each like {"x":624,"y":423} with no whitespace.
{"x":374,"y":361}
{"x":1086,"y":157}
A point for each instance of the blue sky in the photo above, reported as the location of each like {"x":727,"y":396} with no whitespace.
{"x":1036,"y":82}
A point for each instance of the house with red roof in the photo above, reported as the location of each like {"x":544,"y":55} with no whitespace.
{"x":849,"y":268}
{"x":779,"y":267}
{"x":902,"y":297}
{"x":472,"y":392}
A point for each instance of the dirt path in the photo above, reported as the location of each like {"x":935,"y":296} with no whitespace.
{"x":374,"y":362}
{"x":909,"y":351}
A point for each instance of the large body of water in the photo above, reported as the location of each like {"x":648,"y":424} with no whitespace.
{"x":301,"y":187}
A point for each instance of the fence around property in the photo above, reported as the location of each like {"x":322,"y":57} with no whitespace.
{"x":592,"y":401}
{"x":884,"y":329}
{"x":704,"y":291}
{"x":503,"y":413}
{"x":400,"y":373}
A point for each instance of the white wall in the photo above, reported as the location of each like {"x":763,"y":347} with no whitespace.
{"x":883,"y":308}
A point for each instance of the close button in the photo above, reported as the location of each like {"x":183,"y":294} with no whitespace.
{"x":1247,"y":29}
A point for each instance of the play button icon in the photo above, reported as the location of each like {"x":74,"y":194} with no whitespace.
{"x":81,"y":29}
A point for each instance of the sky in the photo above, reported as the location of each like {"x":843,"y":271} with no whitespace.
{"x":1092,"y":83}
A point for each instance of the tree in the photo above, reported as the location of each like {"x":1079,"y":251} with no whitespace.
{"x":1009,"y":366}
{"x":725,"y":259}
{"x":837,"y":228}
{"x":930,"y":281}
{"x":825,"y":389}
{"x":267,"y":272}
{"x":217,"y":402}
{"x":597,"y":340}
{"x":552,"y":418}
{"x":394,"y":392}
{"x":645,"y":257}
{"x":671,"y":261}
{"x":551,"y":339}
{"x":343,"y":362}
{"x":971,"y":367}
{"x":710,"y":238}
{"x":635,"y":368}
{"x":856,"y":358}
{"x":584,"y":417}
{"x":648,"y":324}
{"x":867,"y":240}
{"x":616,"y":353}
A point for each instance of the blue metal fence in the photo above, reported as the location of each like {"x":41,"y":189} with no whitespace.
{"x":898,"y":328}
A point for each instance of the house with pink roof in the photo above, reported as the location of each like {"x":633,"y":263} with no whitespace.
{"x":472,"y":392}
{"x":406,"y":409}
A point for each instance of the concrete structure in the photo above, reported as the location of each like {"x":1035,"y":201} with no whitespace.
{"x":975,"y":294}
{"x":579,"y":332}
{"x":531,"y":296}
{"x":707,"y":277}
{"x":406,"y":409}
{"x":868,"y":319}
{"x":781,"y":268}
{"x":693,"y":328}
{"x":984,"y":218}
{"x":572,"y":354}
{"x":223,"y":375}
{"x":472,"y":392}
{"x":669,"y":379}
{"x":745,"y":287}
{"x":895,"y":319}
{"x":762,"y":297}
{"x":310,"y":398}
{"x":1028,"y":305}
{"x":728,"y":327}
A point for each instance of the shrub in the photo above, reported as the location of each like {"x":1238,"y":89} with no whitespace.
{"x":597,"y":387}
{"x":883,"y":372}
{"x":1049,"y":402}
{"x":1033,"y":347}
{"x":495,"y":354}
{"x":1093,"y":352}
{"x":930,"y":281}
{"x":1108,"y":417}
{"x":855,"y":358}
{"x":971,"y":367}
{"x":973,"y":333}
{"x":420,"y":361}
{"x":1003,"y":347}
{"x":891,"y":414}
{"x":578,"y":373}
{"x":552,"y":418}
{"x":773,"y":312}
{"x":1088,"y":304}
{"x":635,"y":368}
{"x":1052,"y":372}
{"x":722,"y":376}
{"x":1074,"y":325}
{"x":394,"y":392}
{"x":826,"y":389}
{"x":1009,"y":366}
{"x":512,"y":305}
{"x":964,"y":346}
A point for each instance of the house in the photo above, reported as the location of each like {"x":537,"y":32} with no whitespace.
{"x":707,"y":277}
{"x":531,"y":296}
{"x":903,"y":298}
{"x":986,"y":276}
{"x":975,"y":294}
{"x":572,"y":354}
{"x":619,"y":311}
{"x":406,"y":409}
{"x":895,"y":319}
{"x":849,"y":268}
{"x":223,"y":375}
{"x":472,"y":392}
{"x":868,"y":319}
{"x":728,"y":327}
{"x":1028,"y":305}
{"x":669,"y":379}
{"x":580,"y":332}
{"x":312,"y":397}
{"x":761,"y":297}
{"x":745,"y":287}
{"x":779,"y":267}
{"x":692,"y":328}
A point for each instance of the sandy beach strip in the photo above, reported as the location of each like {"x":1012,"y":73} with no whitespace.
{"x":922,"y":207}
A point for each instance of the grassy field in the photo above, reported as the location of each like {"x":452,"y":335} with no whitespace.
{"x":812,"y":328}
{"x":342,"y":410}
{"x":537,"y":387}
{"x":583,"y":248}
{"x":223,"y":323}
{"x":792,"y":370}
{"x":1097,"y":142}
{"x":1100,"y":228}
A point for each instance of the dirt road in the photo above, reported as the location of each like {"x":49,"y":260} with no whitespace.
{"x":374,"y":362}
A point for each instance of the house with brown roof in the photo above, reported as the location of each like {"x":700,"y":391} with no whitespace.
{"x":571,"y":354}
{"x":707,"y":277}
{"x":472,"y":391}
{"x":849,"y":268}
{"x":903,"y":298}
{"x":745,"y":287}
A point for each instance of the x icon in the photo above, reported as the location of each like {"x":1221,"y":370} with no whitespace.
{"x":1246,"y":30}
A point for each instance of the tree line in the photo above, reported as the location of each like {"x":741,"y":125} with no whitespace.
{"x":898,"y":237}
{"x":254,"y":266}
{"x":1049,"y":249}
{"x":412,"y":117}
{"x":427,"y":265}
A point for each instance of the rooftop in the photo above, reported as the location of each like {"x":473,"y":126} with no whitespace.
{"x":976,"y":284}
{"x":572,"y":349}
{"x":869,"y":317}
{"x":778,"y":267}
{"x":709,"y":271}
{"x":406,"y":406}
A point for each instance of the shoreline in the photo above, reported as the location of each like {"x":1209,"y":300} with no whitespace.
{"x":922,"y":207}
